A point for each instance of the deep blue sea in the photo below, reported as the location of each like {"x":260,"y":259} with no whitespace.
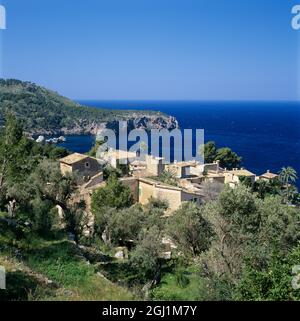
{"x":265,"y":134}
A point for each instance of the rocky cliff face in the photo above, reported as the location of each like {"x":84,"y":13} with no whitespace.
{"x":146,"y":122}
{"x":84,"y":127}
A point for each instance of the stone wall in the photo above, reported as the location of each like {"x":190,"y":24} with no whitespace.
{"x":87,"y":167}
{"x":64,"y":168}
{"x":133,"y":184}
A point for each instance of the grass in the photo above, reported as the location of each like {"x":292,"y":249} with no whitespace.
{"x":62,"y":263}
{"x":120,"y":272}
{"x":21,"y":284}
{"x":169,"y":290}
{"x":73,"y":279}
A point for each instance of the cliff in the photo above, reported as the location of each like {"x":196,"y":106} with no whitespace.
{"x":45,"y":112}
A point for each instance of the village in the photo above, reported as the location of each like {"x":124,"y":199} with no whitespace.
{"x":144,"y":181}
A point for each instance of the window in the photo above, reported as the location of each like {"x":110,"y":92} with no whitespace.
{"x":87,"y":165}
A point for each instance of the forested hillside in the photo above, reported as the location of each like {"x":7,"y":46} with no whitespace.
{"x":44,"y":111}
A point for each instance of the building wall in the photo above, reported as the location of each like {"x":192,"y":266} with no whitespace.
{"x":155,"y":166}
{"x":86,"y":195}
{"x":232,"y":178}
{"x":88,"y":167}
{"x":177,"y":171}
{"x":133,"y":184}
{"x":187,"y":197}
{"x":196,"y":170}
{"x":173,"y":197}
{"x":199,"y":169}
{"x":220,"y":179}
{"x":64,"y":168}
{"x":229,"y":177}
{"x":145,"y":192}
{"x":214,"y":167}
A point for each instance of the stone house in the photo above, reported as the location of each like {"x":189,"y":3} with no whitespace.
{"x":154,"y":165}
{"x":174,"y":196}
{"x":234,"y":176}
{"x":143,"y":186}
{"x":181,"y":169}
{"x":85,"y":167}
{"x":268,"y":176}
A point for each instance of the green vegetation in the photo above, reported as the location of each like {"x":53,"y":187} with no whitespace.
{"x":228,"y":243}
{"x":189,"y":229}
{"x":56,"y":270}
{"x":272,"y":282}
{"x":145,"y":257}
{"x":44,"y":111}
{"x":227,"y":158}
{"x":41,"y":263}
{"x":140,"y":228}
{"x":282,"y":185}
{"x":241,"y":244}
{"x":247,"y":233}
{"x":288,"y":177}
{"x":167,"y":177}
{"x":113,"y":196}
{"x":178,"y":284}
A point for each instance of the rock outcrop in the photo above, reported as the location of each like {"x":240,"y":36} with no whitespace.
{"x":147,"y":122}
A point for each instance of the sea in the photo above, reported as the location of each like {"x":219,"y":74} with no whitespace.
{"x":265,"y":134}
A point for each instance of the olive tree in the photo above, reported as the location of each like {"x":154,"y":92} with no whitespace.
{"x":189,"y":229}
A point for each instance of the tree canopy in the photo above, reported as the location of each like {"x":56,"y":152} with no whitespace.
{"x":227,"y":158}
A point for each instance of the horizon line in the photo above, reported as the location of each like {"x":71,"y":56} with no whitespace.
{"x":189,"y":100}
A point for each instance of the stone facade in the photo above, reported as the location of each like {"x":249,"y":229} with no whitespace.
{"x":84,"y":166}
{"x":133,"y":184}
{"x":154,"y":165}
{"x":175,"y":196}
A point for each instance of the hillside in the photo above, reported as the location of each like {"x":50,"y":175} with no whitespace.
{"x":55,"y":271}
{"x":43,"y":111}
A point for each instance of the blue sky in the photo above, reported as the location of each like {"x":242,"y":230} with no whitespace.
{"x":154,"y":49}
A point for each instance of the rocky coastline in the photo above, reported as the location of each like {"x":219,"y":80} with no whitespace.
{"x":84,"y":127}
